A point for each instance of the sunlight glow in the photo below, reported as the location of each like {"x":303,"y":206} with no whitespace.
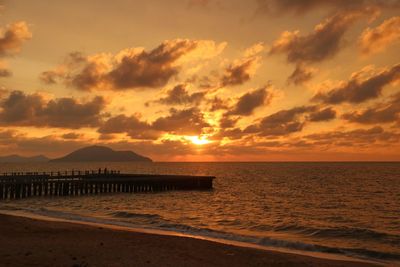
{"x":198,"y":140}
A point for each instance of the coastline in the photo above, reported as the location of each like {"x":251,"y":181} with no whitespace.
{"x":56,"y":242}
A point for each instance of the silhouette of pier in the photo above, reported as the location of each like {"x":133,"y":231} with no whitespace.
{"x":19,"y":185}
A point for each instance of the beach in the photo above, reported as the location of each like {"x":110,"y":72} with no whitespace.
{"x":32,"y":242}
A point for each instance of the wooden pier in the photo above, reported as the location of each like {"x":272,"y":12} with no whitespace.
{"x":79,"y":183}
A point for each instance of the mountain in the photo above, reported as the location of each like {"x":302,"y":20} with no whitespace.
{"x":21,"y":159}
{"x":101,"y":153}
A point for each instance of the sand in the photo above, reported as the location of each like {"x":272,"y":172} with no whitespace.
{"x":31,"y":242}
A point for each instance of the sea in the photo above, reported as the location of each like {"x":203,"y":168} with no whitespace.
{"x":350,"y":209}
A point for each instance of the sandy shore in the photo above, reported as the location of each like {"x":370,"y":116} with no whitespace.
{"x":30,"y":242}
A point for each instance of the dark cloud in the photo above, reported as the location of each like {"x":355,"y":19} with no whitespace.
{"x":381,"y":113}
{"x":19,"y":107}
{"x":244,"y":106}
{"x":53,"y":146}
{"x":356,"y":137}
{"x":179,"y":95}
{"x":185,"y":122}
{"x":131,"y":125}
{"x":72,"y":136}
{"x":13,"y":37}
{"x":150,"y":69}
{"x":228,"y":122}
{"x":130,"y":68}
{"x":104,"y":137}
{"x":231,"y":133}
{"x":91,"y":76}
{"x":50,"y":77}
{"x":218,"y":104}
{"x":285,"y":116}
{"x":281,"y":129}
{"x":121,"y":123}
{"x":22,"y":109}
{"x":377,"y":39}
{"x":210,"y":81}
{"x":238,"y":73}
{"x":22,"y":144}
{"x":282,"y":123}
{"x":166,"y":150}
{"x":295,"y":6}
{"x":248,"y":102}
{"x":321,"y":44}
{"x":5,"y":72}
{"x":300,"y":75}
{"x":326,"y":114}
{"x":68,"y":112}
{"x":299,"y":7}
{"x":75,"y":58}
{"x":72,"y":61}
{"x":181,"y":122}
{"x":361,"y":87}
{"x":48,"y":145}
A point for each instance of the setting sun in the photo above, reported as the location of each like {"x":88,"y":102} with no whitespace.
{"x":198,"y":140}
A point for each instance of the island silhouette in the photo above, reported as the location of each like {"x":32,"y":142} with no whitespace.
{"x":101,"y":154}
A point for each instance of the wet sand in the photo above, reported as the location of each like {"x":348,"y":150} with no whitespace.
{"x":31,"y":242}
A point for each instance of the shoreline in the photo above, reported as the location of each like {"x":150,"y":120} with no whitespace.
{"x":188,"y":250}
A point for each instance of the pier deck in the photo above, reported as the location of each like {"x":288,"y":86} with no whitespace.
{"x":77,"y":183}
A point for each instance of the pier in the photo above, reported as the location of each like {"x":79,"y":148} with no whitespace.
{"x":18,"y":185}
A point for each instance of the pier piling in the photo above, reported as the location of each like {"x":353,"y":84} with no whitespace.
{"x":78,"y":183}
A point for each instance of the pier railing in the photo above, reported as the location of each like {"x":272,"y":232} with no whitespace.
{"x":16,"y":185}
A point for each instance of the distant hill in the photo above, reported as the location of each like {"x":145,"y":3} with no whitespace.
{"x":21,"y":159}
{"x":101,"y":153}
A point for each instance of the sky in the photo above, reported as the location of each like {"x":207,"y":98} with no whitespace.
{"x":202,"y":80}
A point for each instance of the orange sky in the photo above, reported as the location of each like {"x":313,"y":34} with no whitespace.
{"x":202,"y":80}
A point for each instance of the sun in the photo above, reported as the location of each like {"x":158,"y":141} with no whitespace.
{"x":198,"y":140}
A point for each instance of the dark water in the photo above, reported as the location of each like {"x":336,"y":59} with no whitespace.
{"x":344,"y":208}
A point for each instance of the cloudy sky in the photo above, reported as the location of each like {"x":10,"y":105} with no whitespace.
{"x":202,"y":80}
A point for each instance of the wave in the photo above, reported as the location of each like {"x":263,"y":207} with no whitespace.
{"x":359,"y":233}
{"x":280,"y":243}
{"x":353,"y":252}
{"x":158,"y":223}
{"x":125,"y":214}
{"x":335,"y":232}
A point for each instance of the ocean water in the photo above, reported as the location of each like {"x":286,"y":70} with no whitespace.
{"x":350,"y":209}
